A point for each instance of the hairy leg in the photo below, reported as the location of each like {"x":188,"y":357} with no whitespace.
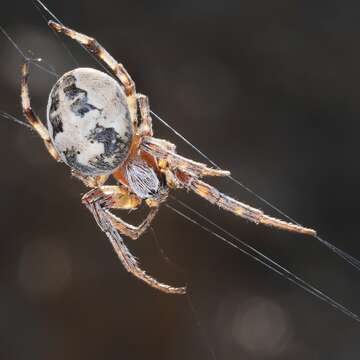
{"x":145,"y":128}
{"x":30,"y":115}
{"x":238,"y":208}
{"x":133,"y":232}
{"x":115,"y":197}
{"x":98,"y":201}
{"x":166,"y":154}
{"x":117,"y":68}
{"x":90,"y":181}
{"x":183,"y":172}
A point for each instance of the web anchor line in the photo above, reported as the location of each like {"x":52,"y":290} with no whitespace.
{"x":345,"y":256}
{"x":259,"y":257}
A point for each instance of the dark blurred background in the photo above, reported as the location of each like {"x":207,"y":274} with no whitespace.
{"x":268,"y":89}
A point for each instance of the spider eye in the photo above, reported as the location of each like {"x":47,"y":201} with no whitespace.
{"x":89,"y":121}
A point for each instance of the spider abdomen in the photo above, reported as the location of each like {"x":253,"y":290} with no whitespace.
{"x":89,"y":121}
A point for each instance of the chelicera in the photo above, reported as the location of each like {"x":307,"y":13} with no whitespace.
{"x":101,"y":127}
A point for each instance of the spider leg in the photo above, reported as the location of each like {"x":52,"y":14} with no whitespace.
{"x":120,"y":197}
{"x":133,"y":232}
{"x":99,"y":201}
{"x":238,"y":208}
{"x":183,"y":172}
{"x":115,"y":197}
{"x":145,"y":128}
{"x":90,"y":181}
{"x":30,"y":115}
{"x":117,"y":68}
{"x":165,"y":152}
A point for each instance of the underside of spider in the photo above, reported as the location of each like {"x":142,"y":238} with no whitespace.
{"x":101,"y":127}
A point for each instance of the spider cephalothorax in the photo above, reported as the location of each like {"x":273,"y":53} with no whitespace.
{"x":94,"y":127}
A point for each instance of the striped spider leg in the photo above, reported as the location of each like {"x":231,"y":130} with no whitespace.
{"x":186,"y":173}
{"x":99,"y":201}
{"x":30,"y":114}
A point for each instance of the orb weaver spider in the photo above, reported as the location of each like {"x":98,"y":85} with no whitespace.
{"x":101,"y":127}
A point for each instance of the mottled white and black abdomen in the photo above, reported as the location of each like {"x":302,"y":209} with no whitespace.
{"x":89,"y":121}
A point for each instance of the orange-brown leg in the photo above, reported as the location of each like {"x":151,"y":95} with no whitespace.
{"x":99,"y":201}
{"x":238,"y":208}
{"x":30,"y":115}
{"x":183,"y":172}
{"x":117,"y":68}
{"x":145,"y":128}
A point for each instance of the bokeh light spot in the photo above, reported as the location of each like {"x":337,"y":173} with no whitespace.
{"x":261,"y":327}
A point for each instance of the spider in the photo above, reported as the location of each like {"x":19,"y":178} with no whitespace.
{"x":101,"y":127}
